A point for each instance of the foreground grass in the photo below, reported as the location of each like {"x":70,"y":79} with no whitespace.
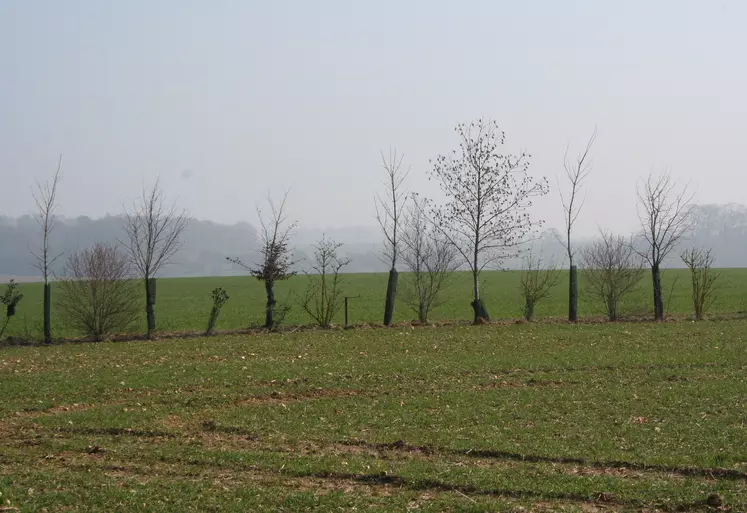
{"x":184,"y":304}
{"x":623,"y":417}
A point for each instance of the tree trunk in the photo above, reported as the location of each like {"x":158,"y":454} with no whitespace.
{"x":150,"y":301}
{"x":391,"y":294}
{"x":573,"y":295}
{"x":481,"y":314}
{"x":529,"y":308}
{"x":270,"y":307}
{"x":47,"y":313}
{"x":612,"y":310}
{"x":422,"y":312}
{"x":658,"y":295}
{"x":211,"y":320}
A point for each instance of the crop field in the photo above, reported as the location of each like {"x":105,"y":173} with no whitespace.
{"x":184,"y":304}
{"x":546,"y":417}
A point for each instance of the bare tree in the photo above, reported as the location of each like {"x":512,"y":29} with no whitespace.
{"x":45,"y":198}
{"x":576,"y":170}
{"x":389,"y":214}
{"x":612,"y":269}
{"x":324,"y":297}
{"x":537,"y":280}
{"x":665,"y":216}
{"x":154,"y":236}
{"x":429,"y":258}
{"x":700,"y":262}
{"x":10,"y":299}
{"x":487,"y":196}
{"x":276,"y":256}
{"x":99,"y":296}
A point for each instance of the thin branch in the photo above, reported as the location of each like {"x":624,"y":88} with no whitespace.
{"x":154,"y":232}
{"x":389,"y":210}
{"x":45,"y":198}
{"x":576,"y":171}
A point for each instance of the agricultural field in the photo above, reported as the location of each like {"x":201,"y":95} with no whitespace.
{"x":184,"y":304}
{"x":544,"y":416}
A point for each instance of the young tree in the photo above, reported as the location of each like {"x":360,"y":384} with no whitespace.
{"x":664,"y":214}
{"x":99,"y":296}
{"x":487,"y":196}
{"x":220,"y":298}
{"x":613,"y":269}
{"x":576,"y":171}
{"x":10,"y":299}
{"x":323,"y":297}
{"x":429,"y":258}
{"x":154,"y":236}
{"x":700,"y":262}
{"x":536,"y":281}
{"x":276,"y":256}
{"x":388,"y":214}
{"x":45,"y":198}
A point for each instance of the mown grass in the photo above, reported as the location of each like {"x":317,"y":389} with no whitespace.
{"x":549,"y":417}
{"x":184,"y":304}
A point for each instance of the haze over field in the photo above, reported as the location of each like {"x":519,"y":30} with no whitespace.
{"x":227,"y":101}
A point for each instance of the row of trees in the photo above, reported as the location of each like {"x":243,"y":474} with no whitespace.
{"x":97,"y":290}
{"x":613,"y":269}
{"x":483,"y":220}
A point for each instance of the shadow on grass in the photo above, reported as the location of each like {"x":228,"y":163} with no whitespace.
{"x":116,"y":431}
{"x":384,"y":479}
{"x":712,"y":473}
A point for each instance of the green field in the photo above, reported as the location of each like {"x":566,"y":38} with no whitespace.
{"x":549,"y":417}
{"x":184,"y":304}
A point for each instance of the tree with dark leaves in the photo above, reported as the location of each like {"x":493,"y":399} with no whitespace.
{"x":276,"y":258}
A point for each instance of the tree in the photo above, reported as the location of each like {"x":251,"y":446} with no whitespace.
{"x":276,"y":256}
{"x":98,"y":295}
{"x":612,"y":269}
{"x":576,"y":171}
{"x":536,"y":281}
{"x":323,"y":297}
{"x":153,"y":237}
{"x":10,"y":299}
{"x":220,"y":298}
{"x":665,"y":216}
{"x":487,"y":196}
{"x":700,"y":262}
{"x":429,"y":258}
{"x":45,"y":198}
{"x":388,"y":214}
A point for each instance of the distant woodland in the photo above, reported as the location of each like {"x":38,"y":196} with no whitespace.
{"x":723,"y":228}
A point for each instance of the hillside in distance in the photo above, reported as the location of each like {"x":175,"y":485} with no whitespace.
{"x":206,"y":246}
{"x":722,"y":228}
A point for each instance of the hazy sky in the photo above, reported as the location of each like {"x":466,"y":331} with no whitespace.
{"x":226,"y":100}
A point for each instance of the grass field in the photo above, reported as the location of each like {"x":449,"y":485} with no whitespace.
{"x":549,"y":417}
{"x":184,"y":304}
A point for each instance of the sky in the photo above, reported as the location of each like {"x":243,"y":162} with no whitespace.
{"x":227,"y":101}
